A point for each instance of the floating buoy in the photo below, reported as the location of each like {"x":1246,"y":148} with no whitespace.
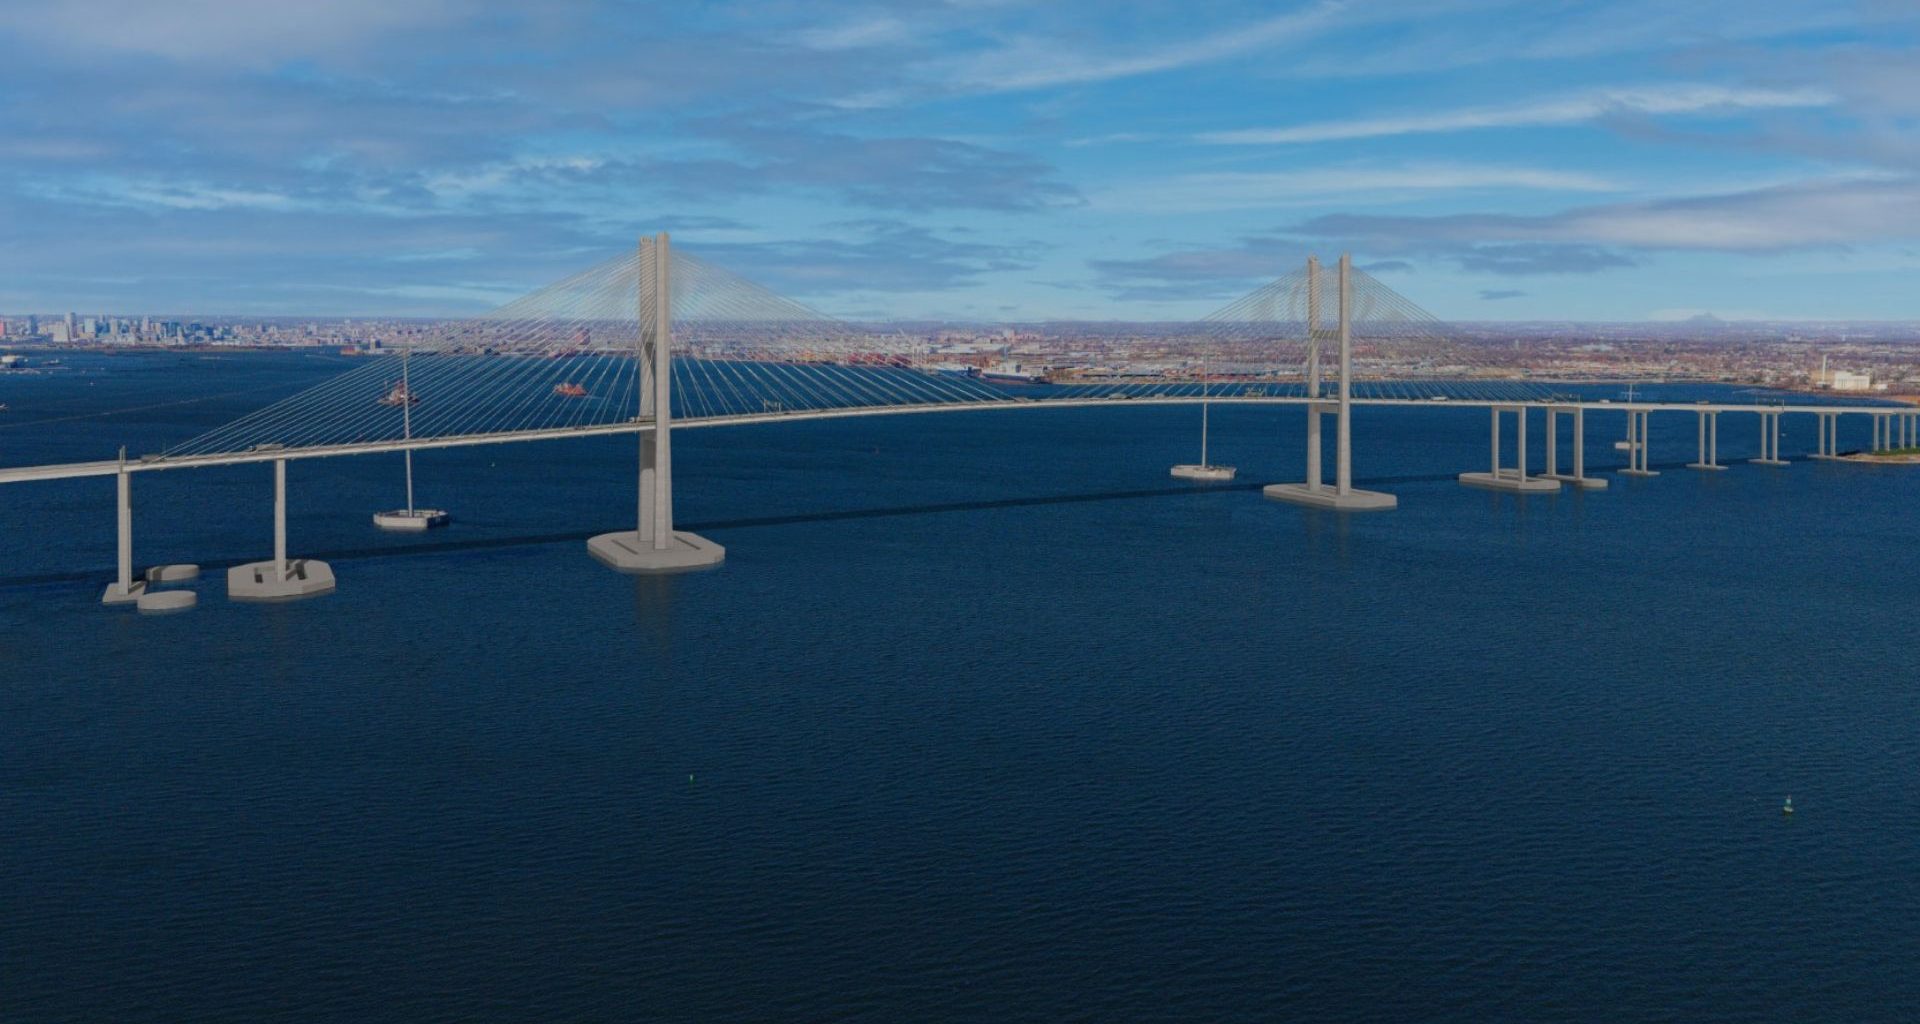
{"x":1787,"y":808}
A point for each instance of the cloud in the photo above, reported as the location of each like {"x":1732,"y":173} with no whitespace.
{"x":246,"y":31}
{"x":1537,"y":258}
{"x":1034,"y":63}
{"x":1652,"y":101}
{"x":1497,"y":294}
{"x":1197,"y":273}
{"x":1188,"y":193}
{"x":891,"y":173}
{"x":876,"y":255}
{"x":876,"y":31}
{"x":1835,"y":212}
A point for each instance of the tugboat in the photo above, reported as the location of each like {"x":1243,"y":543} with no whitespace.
{"x":400,"y":395}
{"x":569,"y":390}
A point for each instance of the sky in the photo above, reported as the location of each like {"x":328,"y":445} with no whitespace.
{"x":967,"y":160}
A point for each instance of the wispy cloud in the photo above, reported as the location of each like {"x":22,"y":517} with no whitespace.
{"x":1189,"y":193}
{"x":1650,"y":101}
{"x":1839,"y":212}
{"x":1033,"y":63}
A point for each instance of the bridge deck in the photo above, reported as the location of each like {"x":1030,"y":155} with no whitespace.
{"x":109,"y":467}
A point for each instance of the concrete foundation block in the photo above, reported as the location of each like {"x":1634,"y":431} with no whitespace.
{"x":261,"y":581}
{"x":626,"y":551}
{"x":1326,"y":497}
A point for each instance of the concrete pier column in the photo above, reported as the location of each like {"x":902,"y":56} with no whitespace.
{"x":1500,"y":478}
{"x":1709,"y":442}
{"x":124,"y":589}
{"x":1520,"y":441}
{"x":1314,"y":446}
{"x":1827,"y":446}
{"x":1343,"y":443}
{"x":1493,"y":465}
{"x":1580,"y":442}
{"x":1639,"y":433}
{"x":280,"y":516}
{"x":1553,"y":443}
{"x":1769,"y":440}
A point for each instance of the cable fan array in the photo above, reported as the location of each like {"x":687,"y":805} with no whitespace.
{"x":1399,"y":349}
{"x":564,"y":357}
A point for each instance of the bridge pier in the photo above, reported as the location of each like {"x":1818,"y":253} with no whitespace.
{"x":1769,"y":441}
{"x":1578,"y":477}
{"x":124,"y":589}
{"x":655,"y":546}
{"x":1502,"y":478}
{"x":1639,"y":432}
{"x":1828,"y":443}
{"x":1344,"y":496}
{"x":1709,"y":442}
{"x":282,"y":578}
{"x":1893,"y":431}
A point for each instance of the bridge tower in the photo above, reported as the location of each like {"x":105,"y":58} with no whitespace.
{"x":1315,"y":492}
{"x":655,"y":546}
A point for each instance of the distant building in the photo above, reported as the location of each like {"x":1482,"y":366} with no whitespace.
{"x":1846,"y":380}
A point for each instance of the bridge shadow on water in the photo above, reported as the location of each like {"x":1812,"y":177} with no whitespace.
{"x":476,"y":544}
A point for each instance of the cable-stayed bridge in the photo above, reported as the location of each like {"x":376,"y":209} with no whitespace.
{"x":657,"y":338}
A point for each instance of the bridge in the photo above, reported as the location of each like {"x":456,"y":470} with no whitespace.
{"x":657,"y":340}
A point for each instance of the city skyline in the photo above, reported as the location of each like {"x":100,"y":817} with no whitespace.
{"x":969,"y":162}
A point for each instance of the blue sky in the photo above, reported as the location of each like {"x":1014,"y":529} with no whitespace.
{"x":1492,"y":159}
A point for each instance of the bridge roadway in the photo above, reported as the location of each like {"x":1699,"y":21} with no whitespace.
{"x":109,"y":467}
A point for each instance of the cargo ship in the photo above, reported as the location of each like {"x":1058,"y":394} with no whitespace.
{"x":1011,"y":373}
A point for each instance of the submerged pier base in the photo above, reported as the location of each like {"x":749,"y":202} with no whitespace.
{"x":1352,"y":500}
{"x":629,"y":551}
{"x":279,"y":581}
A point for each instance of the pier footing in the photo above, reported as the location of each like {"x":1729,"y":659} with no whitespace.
{"x":1328,"y":497}
{"x":627,"y":551}
{"x":261,"y":581}
{"x":411,"y":520}
{"x":1508,"y":480}
{"x":115,"y":595}
{"x":1191,"y":472}
{"x":1639,"y":472}
{"x":1591,"y":483}
{"x":1709,"y":466}
{"x":1770,"y":462}
{"x":177,"y":573}
{"x":163,"y":602}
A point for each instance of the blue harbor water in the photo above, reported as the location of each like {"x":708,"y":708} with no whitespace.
{"x":982,"y":719}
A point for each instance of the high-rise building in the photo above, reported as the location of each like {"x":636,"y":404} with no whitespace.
{"x":33,"y":326}
{"x":71,"y":333}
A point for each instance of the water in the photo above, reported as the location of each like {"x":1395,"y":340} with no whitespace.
{"x":983,"y":719}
